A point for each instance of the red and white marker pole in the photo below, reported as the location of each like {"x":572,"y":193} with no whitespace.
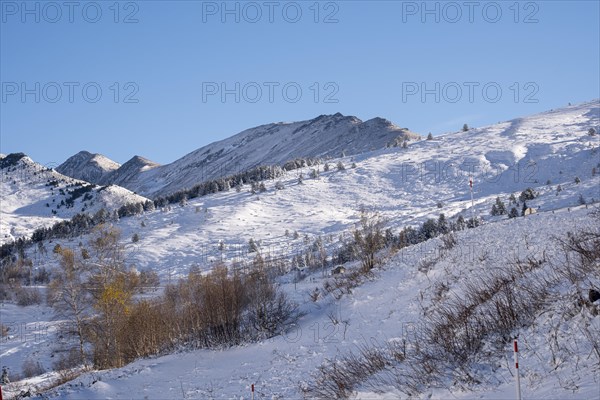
{"x":472,"y":201}
{"x":516,"y":349}
{"x":253,"y":391}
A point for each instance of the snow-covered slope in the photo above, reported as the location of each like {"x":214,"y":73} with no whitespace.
{"x":33,"y":196}
{"x":88,"y":167}
{"x":386,"y":308}
{"x":272,"y":144}
{"x":407,"y":186}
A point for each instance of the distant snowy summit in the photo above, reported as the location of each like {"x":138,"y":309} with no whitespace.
{"x":272,"y":144}
{"x":88,"y":167}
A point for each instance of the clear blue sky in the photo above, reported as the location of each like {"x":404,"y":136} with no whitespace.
{"x":370,"y":56}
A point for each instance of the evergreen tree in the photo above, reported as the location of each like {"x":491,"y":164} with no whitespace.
{"x":442,"y":224}
{"x":577,"y":180}
{"x":527,"y":194}
{"x":524,"y":209}
{"x":429,"y":136}
{"x":460,"y":223}
{"x":500,"y":207}
{"x":513,"y":213}
{"x":465,"y":127}
{"x":252,"y":246}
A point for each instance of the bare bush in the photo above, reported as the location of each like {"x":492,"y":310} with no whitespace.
{"x":337,"y":379}
{"x":32,"y":368}
{"x":68,"y":360}
{"x":28,"y":296}
{"x":449,"y":240}
{"x":369,"y":238}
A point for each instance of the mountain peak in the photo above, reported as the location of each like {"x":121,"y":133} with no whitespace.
{"x":90,"y":167}
{"x":141,"y":161}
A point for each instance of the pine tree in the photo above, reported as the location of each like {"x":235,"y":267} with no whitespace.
{"x":252,"y":246}
{"x":527,"y":194}
{"x":442,"y":224}
{"x":513,"y":213}
{"x":577,"y":180}
{"x":340,"y":166}
{"x":523,"y":209}
{"x":460,"y":223}
{"x":465,"y":127}
{"x":500,"y":207}
{"x":429,"y":136}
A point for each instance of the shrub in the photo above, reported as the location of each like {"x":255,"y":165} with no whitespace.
{"x":28,"y":296}
{"x":32,"y":368}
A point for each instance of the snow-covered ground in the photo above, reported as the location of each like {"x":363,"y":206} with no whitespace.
{"x":386,"y":307}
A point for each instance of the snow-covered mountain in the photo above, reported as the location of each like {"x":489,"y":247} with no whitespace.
{"x":88,"y":167}
{"x":33,"y":196}
{"x":553,"y":152}
{"x":272,"y":144}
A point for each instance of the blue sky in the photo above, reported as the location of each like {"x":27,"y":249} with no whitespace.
{"x":161,"y":67}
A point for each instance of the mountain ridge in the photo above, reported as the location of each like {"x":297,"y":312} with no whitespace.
{"x":272,"y":144}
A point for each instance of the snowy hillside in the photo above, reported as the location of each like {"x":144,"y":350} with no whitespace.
{"x":272,"y":144}
{"x":88,"y":167}
{"x":557,"y":359}
{"x":404,"y":185}
{"x":33,"y":196}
